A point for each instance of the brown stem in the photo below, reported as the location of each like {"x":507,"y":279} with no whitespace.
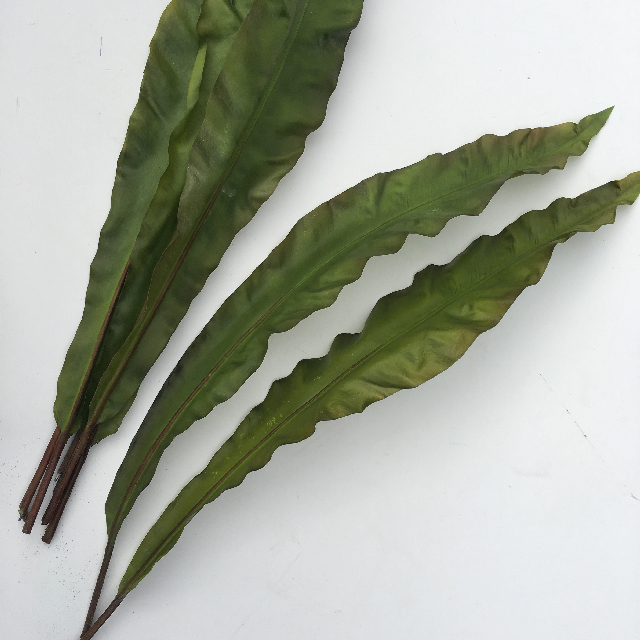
{"x":99,"y":584}
{"x":44,"y":484}
{"x":65,"y":461}
{"x":58,"y":490}
{"x":35,"y":481}
{"x":80,"y":449}
{"x":73,"y":455}
{"x":54,"y":519}
{"x":91,"y":631}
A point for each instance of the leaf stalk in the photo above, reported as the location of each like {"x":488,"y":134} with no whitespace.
{"x":54,"y":519}
{"x":92,"y":630}
{"x":56,"y":452}
{"x":78,"y":454}
{"x":37,"y":476}
{"x":99,"y":584}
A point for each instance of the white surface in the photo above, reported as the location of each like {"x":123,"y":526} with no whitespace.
{"x":497,"y":501}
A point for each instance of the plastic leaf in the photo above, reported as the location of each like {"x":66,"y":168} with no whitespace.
{"x":326,"y":250}
{"x":272,"y":92}
{"x":410,"y":337}
{"x":186,"y":55}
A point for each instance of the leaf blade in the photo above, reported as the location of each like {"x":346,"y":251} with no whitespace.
{"x":410,"y":336}
{"x":186,"y":53}
{"x":373,"y":218}
{"x":271,"y":95}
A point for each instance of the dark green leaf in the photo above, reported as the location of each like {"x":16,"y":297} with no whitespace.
{"x":410,"y":337}
{"x":326,"y":250}
{"x":272,"y":92}
{"x":186,"y":55}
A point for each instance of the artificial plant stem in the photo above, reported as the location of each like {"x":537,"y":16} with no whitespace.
{"x":49,"y":511}
{"x":44,"y":484}
{"x":99,"y":584}
{"x":35,"y":481}
{"x":78,"y":455}
{"x":91,"y":631}
{"x":54,"y":518}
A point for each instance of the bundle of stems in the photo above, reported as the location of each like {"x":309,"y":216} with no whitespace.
{"x":410,"y":337}
{"x":230,"y":93}
{"x":231,"y":90}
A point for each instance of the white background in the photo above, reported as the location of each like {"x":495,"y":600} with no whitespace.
{"x":498,"y":501}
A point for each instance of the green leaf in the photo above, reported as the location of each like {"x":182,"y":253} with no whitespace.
{"x":272,"y":92}
{"x":218,"y":26}
{"x":326,"y":250}
{"x":186,"y":55}
{"x":410,"y":337}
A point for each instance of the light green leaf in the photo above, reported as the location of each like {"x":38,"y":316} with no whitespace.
{"x":326,"y":250}
{"x":410,"y":337}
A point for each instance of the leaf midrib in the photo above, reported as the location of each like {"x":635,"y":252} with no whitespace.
{"x":160,"y":438}
{"x":331,"y":258}
{"x":397,"y":336}
{"x":285,"y":53}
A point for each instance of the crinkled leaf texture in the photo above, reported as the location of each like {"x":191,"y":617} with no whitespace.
{"x":272,"y":92}
{"x":326,"y":250}
{"x":410,"y":337}
{"x":217,"y":27}
{"x":186,"y":55}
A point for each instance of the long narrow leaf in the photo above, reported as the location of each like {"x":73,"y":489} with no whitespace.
{"x":217,"y":26}
{"x":144,"y":158}
{"x":186,"y":57}
{"x":326,"y":250}
{"x":410,"y":337}
{"x":273,"y":91}
{"x":184,"y":61}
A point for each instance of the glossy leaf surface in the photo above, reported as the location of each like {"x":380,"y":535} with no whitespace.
{"x":326,"y":250}
{"x":410,"y":337}
{"x":186,"y":55}
{"x":272,"y":92}
{"x":217,"y":27}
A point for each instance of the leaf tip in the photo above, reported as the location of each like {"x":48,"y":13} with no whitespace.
{"x":607,"y":112}
{"x":593,"y":123}
{"x":629,"y":188}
